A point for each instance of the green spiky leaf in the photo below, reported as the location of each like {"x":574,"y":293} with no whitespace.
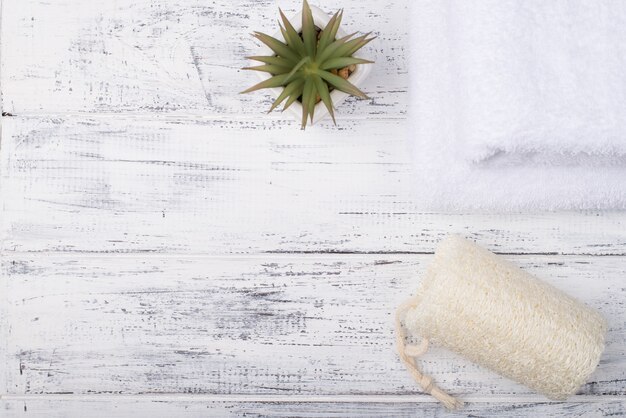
{"x":299,"y":65}
{"x":291,"y":36}
{"x":306,"y":64}
{"x":331,"y":50}
{"x":291,"y":88}
{"x":276,"y":81}
{"x":330,"y":31}
{"x":342,"y":62}
{"x":354,"y":45}
{"x":273,"y":60}
{"x":267,"y":68}
{"x":342,"y":84}
{"x":307,"y":93}
{"x":293,"y":97}
{"x":277,"y":46}
{"x":309,"y":34}
{"x":323,"y":91}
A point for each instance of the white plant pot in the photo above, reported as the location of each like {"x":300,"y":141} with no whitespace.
{"x":358,"y":76}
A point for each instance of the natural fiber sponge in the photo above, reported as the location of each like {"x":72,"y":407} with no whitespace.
{"x":481,"y":306}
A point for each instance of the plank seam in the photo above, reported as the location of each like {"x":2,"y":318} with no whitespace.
{"x":4,"y":330}
{"x":307,"y":399}
{"x":170,"y":116}
{"x":4,"y":323}
{"x":285,"y":254}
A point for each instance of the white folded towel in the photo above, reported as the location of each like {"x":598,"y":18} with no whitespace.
{"x":519,"y":104}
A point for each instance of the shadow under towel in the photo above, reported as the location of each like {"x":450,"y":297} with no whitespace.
{"x":519,"y":105}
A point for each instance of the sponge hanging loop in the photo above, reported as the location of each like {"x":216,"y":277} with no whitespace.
{"x":408,"y":353}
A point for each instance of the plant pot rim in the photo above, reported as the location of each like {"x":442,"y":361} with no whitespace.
{"x":358,"y":76}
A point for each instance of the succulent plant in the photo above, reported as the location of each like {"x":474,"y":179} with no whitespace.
{"x":306,"y":64}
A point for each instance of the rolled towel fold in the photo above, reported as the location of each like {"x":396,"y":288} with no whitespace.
{"x":522,"y":101}
{"x":540,"y":76}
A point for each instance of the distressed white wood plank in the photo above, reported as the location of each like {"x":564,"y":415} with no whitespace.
{"x":4,"y":332}
{"x":173,"y":56}
{"x":119,"y":407}
{"x":215,"y":187}
{"x":288,"y":324}
{"x":296,"y":325}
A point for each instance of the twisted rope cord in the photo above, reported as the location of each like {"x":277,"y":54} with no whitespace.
{"x":408,"y":353}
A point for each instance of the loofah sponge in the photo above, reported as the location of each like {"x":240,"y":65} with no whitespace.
{"x":495,"y":314}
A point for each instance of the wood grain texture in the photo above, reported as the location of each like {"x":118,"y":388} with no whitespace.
{"x":296,"y":325}
{"x":172,"y":56}
{"x":119,"y":407}
{"x":213,"y":187}
{"x":144,"y":201}
{"x":4,"y":331}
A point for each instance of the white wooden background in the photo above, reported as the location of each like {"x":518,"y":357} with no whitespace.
{"x":169,"y":250}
